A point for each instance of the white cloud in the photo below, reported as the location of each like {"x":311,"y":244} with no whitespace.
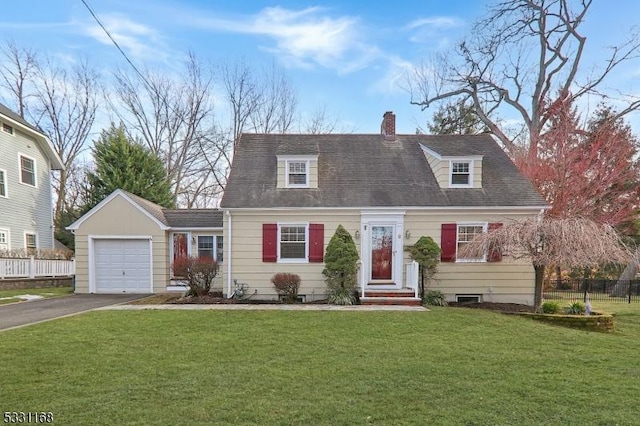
{"x":432,"y":30}
{"x":305,"y":37}
{"x":137,"y":40}
{"x":394,"y":80}
{"x":439,"y":22}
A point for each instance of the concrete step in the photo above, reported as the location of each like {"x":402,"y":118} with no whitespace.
{"x":395,"y":300}
{"x":389,"y":293}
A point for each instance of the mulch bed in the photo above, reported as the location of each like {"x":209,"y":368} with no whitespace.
{"x":501,"y":307}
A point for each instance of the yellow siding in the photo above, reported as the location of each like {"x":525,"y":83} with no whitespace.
{"x":247,"y":265}
{"x":313,"y":174}
{"x":509,"y":280}
{"x":440,"y":170}
{"x":119,"y":218}
{"x":281,"y":174}
{"x":505,"y":281}
{"x":477,"y":173}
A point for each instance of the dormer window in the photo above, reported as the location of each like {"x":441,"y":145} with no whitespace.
{"x":297,"y":171}
{"x":461,"y":174}
{"x":297,"y":174}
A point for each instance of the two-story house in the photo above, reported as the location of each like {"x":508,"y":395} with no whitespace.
{"x":27,"y":158}
{"x":287,"y":194}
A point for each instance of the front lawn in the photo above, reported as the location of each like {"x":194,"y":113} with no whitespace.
{"x":11,"y":296}
{"x":448,"y":366}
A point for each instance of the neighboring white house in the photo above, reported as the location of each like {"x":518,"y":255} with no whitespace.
{"x":27,"y":158}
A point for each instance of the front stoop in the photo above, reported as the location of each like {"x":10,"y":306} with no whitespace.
{"x":390,"y":297}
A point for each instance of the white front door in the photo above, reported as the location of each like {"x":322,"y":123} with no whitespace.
{"x":382,"y":239}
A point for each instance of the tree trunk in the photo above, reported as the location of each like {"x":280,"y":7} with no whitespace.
{"x":537,"y":298}
{"x":629,"y":273}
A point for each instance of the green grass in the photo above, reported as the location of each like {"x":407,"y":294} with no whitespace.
{"x":448,"y":366}
{"x":44,"y":292}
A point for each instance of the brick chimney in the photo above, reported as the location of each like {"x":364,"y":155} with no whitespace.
{"x":388,"y":126}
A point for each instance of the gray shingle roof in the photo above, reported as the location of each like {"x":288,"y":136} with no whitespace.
{"x":12,"y":115}
{"x":367,"y":171}
{"x":180,"y":218}
{"x":193,"y":218}
{"x":152,"y":208}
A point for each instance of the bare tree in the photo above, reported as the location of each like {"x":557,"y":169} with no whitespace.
{"x":65,"y":108}
{"x":17,"y":71}
{"x":521,"y":55}
{"x":320,"y":122}
{"x":174,"y":118}
{"x":277,"y":103}
{"x":545,"y":241}
{"x":243,"y":94}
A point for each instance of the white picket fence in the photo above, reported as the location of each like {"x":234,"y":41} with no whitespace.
{"x":34,"y":268}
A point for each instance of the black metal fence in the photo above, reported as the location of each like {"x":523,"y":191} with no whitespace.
{"x":600,"y":290}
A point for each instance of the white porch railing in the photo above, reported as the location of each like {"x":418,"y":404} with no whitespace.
{"x":412,"y":272}
{"x":33,"y":268}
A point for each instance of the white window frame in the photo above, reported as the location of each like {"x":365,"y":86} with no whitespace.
{"x":6,"y":126}
{"x":4,"y":184}
{"x":458,"y":161}
{"x":35,"y":170}
{"x":306,"y":243}
{"x":7,"y":234}
{"x":213,"y":244}
{"x":485,"y":226}
{"x":35,"y":234}
{"x":306,"y":163}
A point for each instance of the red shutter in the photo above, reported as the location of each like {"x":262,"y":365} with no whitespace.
{"x":269,"y":242}
{"x":494,"y":253}
{"x":448,"y":242}
{"x":316,"y":242}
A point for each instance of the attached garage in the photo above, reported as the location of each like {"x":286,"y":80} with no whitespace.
{"x":127,"y":244}
{"x":121,"y":266}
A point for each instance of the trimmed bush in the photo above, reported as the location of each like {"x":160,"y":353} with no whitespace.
{"x":427,"y":253}
{"x":198,"y":272}
{"x":435,"y":298}
{"x":551,"y":308}
{"x":341,"y":268}
{"x":286,"y":286}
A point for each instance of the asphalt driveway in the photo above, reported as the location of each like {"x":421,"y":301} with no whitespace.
{"x":34,"y":311}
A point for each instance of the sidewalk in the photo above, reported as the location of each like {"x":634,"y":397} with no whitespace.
{"x":266,"y":307}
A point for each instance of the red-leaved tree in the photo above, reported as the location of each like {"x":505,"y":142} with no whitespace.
{"x":588,"y":171}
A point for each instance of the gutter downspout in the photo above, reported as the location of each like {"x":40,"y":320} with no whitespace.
{"x":228,"y":262}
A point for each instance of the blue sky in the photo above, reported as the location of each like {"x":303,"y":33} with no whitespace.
{"x":347,"y":55}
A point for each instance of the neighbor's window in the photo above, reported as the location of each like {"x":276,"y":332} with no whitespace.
{"x":467,"y":233}
{"x":27,"y":170}
{"x":293,"y":242}
{"x":297,"y":173}
{"x":7,"y":129}
{"x":460,"y":173}
{"x":3,"y":183}
{"x":30,"y":242}
{"x":205,"y":246}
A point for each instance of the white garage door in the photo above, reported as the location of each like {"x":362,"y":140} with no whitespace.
{"x":122,"y":266}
